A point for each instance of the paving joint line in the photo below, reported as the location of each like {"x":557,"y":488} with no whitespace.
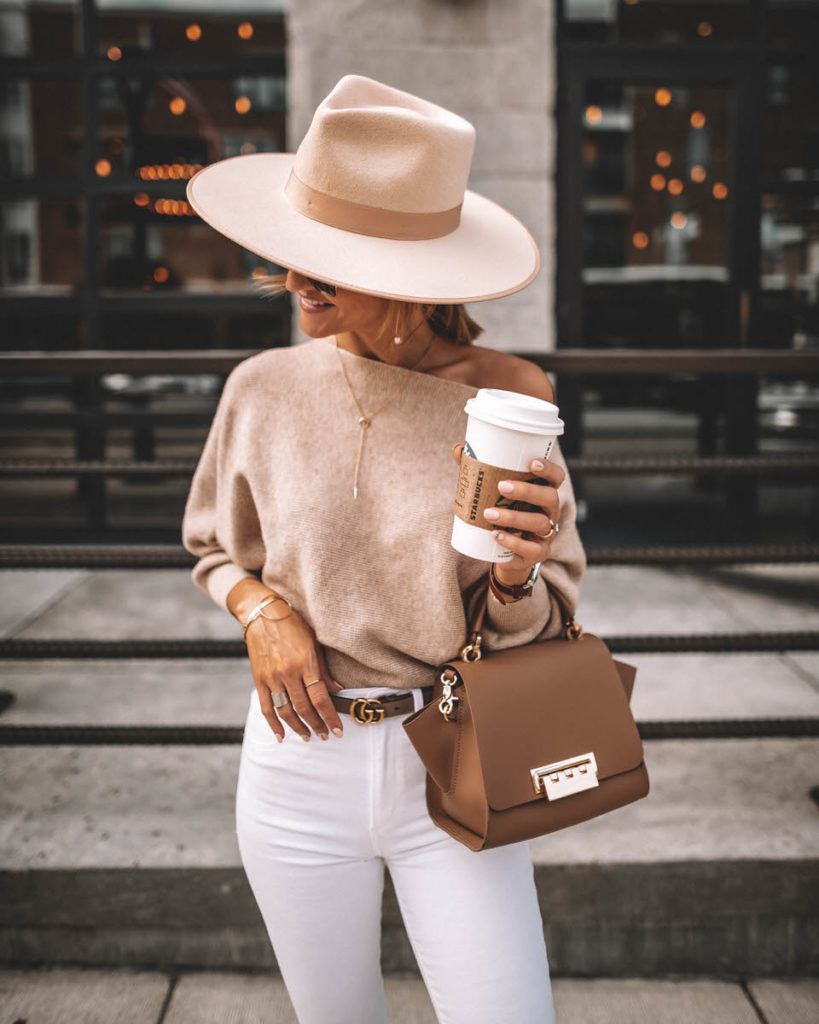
{"x":166,"y":1002}
{"x":743,"y":984}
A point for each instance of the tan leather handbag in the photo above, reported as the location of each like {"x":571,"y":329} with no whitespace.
{"x":528,"y":740}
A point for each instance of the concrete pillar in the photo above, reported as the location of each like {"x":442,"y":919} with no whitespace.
{"x":492,"y":62}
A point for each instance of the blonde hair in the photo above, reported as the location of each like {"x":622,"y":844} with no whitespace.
{"x":449,"y":321}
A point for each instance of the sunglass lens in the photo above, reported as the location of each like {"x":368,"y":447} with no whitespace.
{"x":326,"y":289}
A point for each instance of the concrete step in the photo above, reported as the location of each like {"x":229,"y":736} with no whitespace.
{"x":135,"y":997}
{"x":127,"y":855}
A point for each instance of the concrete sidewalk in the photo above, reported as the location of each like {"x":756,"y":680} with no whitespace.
{"x":148,"y":997}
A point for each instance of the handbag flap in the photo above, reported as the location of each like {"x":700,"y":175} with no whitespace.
{"x":545,"y":702}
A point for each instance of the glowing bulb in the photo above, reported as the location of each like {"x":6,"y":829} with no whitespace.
{"x":698,"y":173}
{"x":193,"y":32}
{"x":704,"y":29}
{"x":177,"y":105}
{"x":720,"y":190}
{"x":639,"y":240}
{"x":678,"y":220}
{"x":594,"y":115}
{"x":114,"y":53}
{"x":103,"y":168}
{"x":245,"y":30}
{"x":663,"y":158}
{"x":675,"y":186}
{"x":657,"y":182}
{"x":242,"y":105}
{"x":142,"y":199}
{"x":698,"y":119}
{"x":662,"y":97}
{"x":161,"y":275}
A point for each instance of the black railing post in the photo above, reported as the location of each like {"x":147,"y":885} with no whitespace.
{"x":90,"y":445}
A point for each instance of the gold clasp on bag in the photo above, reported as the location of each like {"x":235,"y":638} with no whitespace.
{"x":562,"y":778}
{"x":448,"y":702}
{"x":367,"y":710}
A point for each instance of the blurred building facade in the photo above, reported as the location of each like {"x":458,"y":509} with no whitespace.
{"x":665,"y":154}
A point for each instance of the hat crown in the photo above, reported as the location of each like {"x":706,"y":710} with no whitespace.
{"x":380,"y":147}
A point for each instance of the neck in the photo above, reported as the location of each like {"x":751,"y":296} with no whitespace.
{"x":422,"y":351}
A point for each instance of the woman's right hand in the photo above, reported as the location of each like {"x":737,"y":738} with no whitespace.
{"x":284,"y":656}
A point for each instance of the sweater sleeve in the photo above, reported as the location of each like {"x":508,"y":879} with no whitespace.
{"x":217,"y":531}
{"x":539,"y":616}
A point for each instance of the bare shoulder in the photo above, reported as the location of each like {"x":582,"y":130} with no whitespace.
{"x":495,"y":369}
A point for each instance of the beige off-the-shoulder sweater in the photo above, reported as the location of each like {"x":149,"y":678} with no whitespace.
{"x":376,"y":577}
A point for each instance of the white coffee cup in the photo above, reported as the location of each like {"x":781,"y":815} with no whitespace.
{"x":507,"y":430}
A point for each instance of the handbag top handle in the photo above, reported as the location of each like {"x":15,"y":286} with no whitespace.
{"x":471,"y":651}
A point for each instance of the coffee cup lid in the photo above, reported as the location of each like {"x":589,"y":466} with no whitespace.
{"x":515,"y":411}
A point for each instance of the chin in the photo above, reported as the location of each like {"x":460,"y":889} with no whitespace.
{"x":308,"y":323}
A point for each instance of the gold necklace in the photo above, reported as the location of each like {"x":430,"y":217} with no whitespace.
{"x":364,"y":420}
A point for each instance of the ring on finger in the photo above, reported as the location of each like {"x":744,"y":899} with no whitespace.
{"x":279,"y":699}
{"x":312,"y":683}
{"x":554,"y":528}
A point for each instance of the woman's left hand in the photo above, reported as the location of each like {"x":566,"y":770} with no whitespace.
{"x":528,"y":527}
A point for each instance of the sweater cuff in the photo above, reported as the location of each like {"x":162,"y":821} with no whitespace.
{"x":221,"y":580}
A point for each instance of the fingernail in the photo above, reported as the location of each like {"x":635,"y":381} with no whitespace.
{"x":279,"y":738}
{"x":306,"y":739}
{"x":506,"y":486}
{"x":323,"y":735}
{"x":338,"y":732}
{"x":537,"y":464}
{"x":491,"y":513}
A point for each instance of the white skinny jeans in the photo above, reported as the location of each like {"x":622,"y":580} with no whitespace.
{"x":316,"y":823}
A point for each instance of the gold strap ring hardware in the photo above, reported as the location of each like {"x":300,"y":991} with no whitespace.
{"x":367,"y":710}
{"x":573,"y":629}
{"x":472,"y":650}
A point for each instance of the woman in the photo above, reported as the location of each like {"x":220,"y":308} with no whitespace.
{"x":321,"y":513}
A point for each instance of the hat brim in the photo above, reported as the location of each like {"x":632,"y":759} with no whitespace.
{"x":489,"y":254}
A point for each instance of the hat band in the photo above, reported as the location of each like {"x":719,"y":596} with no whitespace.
{"x":369,"y":220}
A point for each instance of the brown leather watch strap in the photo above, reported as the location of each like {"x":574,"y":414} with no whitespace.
{"x":504,"y":591}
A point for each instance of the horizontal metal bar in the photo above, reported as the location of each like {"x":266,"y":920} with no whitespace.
{"x":683,"y":464}
{"x":675,"y":465}
{"x":715,"y":643}
{"x":213,"y":735}
{"x":19,"y":468}
{"x":567,"y":361}
{"x":711,"y":554}
{"x":174,"y":556}
{"x":149,"y":64}
{"x":128,"y":418}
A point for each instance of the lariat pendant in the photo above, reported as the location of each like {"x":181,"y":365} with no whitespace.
{"x":363,"y":422}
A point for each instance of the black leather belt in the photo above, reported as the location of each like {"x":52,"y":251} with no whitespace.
{"x":370,"y":710}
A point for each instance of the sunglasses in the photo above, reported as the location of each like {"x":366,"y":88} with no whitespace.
{"x":325,"y":289}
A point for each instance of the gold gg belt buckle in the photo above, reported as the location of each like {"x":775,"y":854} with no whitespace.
{"x":365,"y":709}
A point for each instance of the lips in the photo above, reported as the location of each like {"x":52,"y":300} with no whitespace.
{"x":311,"y":306}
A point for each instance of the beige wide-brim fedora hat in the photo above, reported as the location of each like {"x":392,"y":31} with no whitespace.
{"x":375,"y":200}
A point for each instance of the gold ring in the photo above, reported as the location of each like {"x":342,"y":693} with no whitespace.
{"x":555,"y":529}
{"x":313,"y":683}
